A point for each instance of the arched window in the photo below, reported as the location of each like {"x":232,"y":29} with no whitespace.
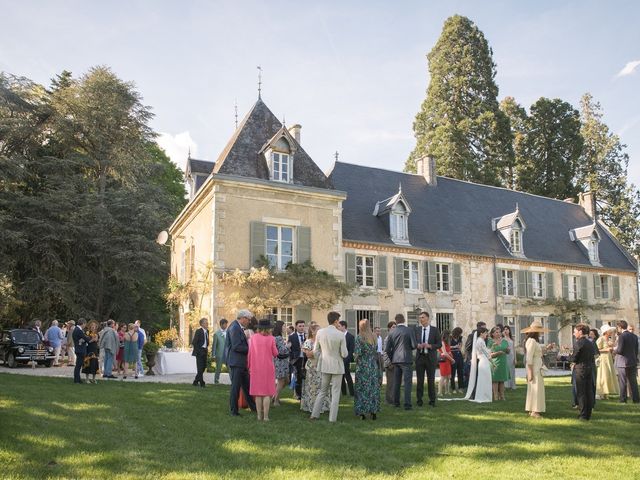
{"x":398,"y":223}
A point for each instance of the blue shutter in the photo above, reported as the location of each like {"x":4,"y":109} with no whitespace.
{"x":616,"y":287}
{"x":565,"y":286}
{"x":398,"y":275}
{"x":257,"y":242}
{"x":522,"y":283}
{"x":350,"y":267}
{"x":303,"y":244}
{"x":430,"y":283}
{"x":382,"y":272}
{"x":550,"y":286}
{"x":584,"y":291}
{"x":457,"y":278}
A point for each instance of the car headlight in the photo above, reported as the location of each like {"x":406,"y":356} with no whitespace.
{"x":20,"y":349}
{"x":50,"y":349}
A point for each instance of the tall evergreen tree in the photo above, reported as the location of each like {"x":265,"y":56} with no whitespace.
{"x":460,"y":122}
{"x":603,"y":170}
{"x":517,"y":116}
{"x":551,"y":149}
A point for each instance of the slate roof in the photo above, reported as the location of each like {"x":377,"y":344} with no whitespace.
{"x":242,"y":157}
{"x":455,"y":216}
{"x":200,"y":166}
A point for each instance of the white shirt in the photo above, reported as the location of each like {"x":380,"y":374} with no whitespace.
{"x":425,"y":335}
{"x":301,"y":340}
{"x":205,"y":344}
{"x":379,"y":340}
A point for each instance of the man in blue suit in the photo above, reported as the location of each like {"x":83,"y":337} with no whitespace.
{"x":626,"y":362}
{"x":80,"y":340}
{"x":236,"y":350}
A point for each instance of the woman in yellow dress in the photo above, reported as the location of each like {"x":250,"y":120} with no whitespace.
{"x":607,"y":380}
{"x":535,"y":404}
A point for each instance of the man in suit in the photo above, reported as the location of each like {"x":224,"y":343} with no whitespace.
{"x":583,"y":358}
{"x":428,"y":342}
{"x":626,"y":362}
{"x":217,"y":351}
{"x":200,"y":344}
{"x":400,"y":345}
{"x":297,"y":359}
{"x":347,"y":380}
{"x":80,"y":340}
{"x":331,"y":348}
{"x":236,"y":350}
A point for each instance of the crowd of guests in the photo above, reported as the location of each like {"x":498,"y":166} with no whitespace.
{"x":315,"y":362}
{"x":94,"y":348}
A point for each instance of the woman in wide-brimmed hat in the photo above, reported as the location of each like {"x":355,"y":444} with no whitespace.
{"x":262,"y":372}
{"x":606,"y":380}
{"x":535,"y":404}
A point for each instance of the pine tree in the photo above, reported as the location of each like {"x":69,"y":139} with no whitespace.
{"x":517,"y":116}
{"x":460,"y":122}
{"x":551,"y":149}
{"x":603,"y":171}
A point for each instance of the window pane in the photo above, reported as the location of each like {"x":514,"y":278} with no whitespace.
{"x":272,"y":233}
{"x":287,"y":234}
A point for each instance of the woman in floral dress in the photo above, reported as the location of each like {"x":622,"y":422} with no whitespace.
{"x":367,"y":384}
{"x":281,"y":361}
{"x":311,"y":384}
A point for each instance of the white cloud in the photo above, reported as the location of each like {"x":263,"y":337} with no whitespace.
{"x":629,"y":68}
{"x":177,"y":147}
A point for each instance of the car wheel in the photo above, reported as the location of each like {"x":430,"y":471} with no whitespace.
{"x":11,"y":361}
{"x":48,"y":363}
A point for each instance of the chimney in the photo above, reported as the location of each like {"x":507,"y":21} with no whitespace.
{"x":426,"y":167}
{"x":587,"y":200}
{"x":294,"y":130}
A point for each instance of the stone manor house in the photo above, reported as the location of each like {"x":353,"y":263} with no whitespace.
{"x":463,"y":251}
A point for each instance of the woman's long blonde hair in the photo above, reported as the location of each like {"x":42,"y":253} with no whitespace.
{"x":365,"y":332}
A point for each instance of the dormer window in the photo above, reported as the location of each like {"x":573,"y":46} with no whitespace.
{"x":593,"y":251}
{"x":281,"y":167}
{"x":516,"y":244}
{"x":589,"y":239}
{"x":395,"y":211}
{"x":399,"y":227}
{"x":510,"y":228}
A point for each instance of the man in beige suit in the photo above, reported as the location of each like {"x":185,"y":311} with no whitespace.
{"x":330,"y":349}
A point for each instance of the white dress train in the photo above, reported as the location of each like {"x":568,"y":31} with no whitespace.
{"x":484,"y":391}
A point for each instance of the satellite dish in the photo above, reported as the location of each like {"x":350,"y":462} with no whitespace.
{"x":163,"y":236}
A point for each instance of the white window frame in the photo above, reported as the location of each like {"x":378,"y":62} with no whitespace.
{"x":399,"y":225}
{"x":516,"y":240}
{"x":538,"y":284}
{"x":411,"y":275}
{"x":439,"y":320}
{"x":367,"y":277}
{"x":280,"y":264}
{"x":506,"y":282}
{"x":573,"y":287}
{"x":593,"y":251}
{"x":280,"y":159}
{"x":284,"y":314}
{"x":605,"y":287}
{"x":443,"y":277}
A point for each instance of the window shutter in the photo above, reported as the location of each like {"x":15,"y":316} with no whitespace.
{"x":457,"y":278}
{"x":350,"y":267}
{"x":383,"y":319}
{"x":499,"y":285}
{"x":552,"y":336}
{"x":258,"y":242}
{"x":584,"y":292}
{"x":430,"y":284}
{"x":530,"y":284}
{"x":523,"y":322}
{"x":522,"y":283}
{"x":398,"y":277}
{"x":500,"y":321}
{"x":565,"y":286}
{"x":597,"y":288}
{"x":598,"y":324}
{"x":350,"y":316}
{"x":303,"y":244}
{"x":550,"y":285}
{"x":303,"y":312}
{"x":616,"y":287}
{"x":382,"y":272}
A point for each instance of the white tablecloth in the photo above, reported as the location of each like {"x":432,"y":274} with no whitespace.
{"x":174,"y":362}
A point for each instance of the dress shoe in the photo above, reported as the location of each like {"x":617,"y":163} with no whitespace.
{"x":408,"y":408}
{"x":195,"y":383}
{"x":432,"y":404}
{"x":419,"y":403}
{"x":235,"y":414}
{"x":373,"y":416}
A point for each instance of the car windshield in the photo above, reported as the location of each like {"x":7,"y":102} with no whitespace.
{"x":25,"y":336}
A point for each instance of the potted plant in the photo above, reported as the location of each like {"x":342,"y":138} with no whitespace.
{"x":150,"y":349}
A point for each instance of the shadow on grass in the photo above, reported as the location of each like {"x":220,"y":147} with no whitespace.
{"x":51,"y":428}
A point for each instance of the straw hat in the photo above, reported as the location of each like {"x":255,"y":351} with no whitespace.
{"x":605,"y":328}
{"x":536,"y":326}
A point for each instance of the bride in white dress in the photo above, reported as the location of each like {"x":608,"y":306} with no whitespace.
{"x":480,"y":364}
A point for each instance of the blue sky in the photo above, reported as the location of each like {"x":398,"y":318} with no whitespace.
{"x":353,"y":74}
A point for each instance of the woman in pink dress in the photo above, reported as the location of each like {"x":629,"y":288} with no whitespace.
{"x":262,"y":373}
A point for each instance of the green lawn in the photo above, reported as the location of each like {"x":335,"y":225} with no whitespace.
{"x":50,"y":428}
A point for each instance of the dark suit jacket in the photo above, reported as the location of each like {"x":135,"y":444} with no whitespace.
{"x":236,"y":347}
{"x":627,"y":350}
{"x":435,"y":340}
{"x":80,"y":340}
{"x":400,"y":344}
{"x":296,"y":348}
{"x":468,"y":345}
{"x":584,"y":352}
{"x":198,"y":341}
{"x":351,"y":346}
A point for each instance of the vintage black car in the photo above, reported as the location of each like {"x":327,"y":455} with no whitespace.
{"x":20,"y":345}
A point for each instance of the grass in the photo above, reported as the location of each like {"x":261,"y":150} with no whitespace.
{"x":50,"y":428}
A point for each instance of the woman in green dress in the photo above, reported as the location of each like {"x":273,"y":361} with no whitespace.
{"x":367,"y":383}
{"x":499,"y":368}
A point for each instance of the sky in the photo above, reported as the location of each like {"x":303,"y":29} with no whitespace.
{"x":353,"y":74}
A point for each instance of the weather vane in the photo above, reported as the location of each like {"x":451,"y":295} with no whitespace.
{"x":236,"y":109}
{"x":336,"y":155}
{"x":259,"y":81}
